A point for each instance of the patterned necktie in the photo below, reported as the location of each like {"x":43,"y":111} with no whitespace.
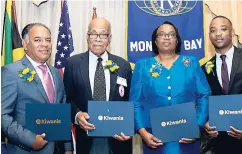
{"x":224,"y":74}
{"x":99,"y":91}
{"x":49,"y":89}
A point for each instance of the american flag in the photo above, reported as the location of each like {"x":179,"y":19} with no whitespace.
{"x":64,"y":42}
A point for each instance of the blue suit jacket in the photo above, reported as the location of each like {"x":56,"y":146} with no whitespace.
{"x":15,"y":94}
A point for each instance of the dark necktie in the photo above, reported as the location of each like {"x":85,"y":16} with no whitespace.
{"x":224,"y":75}
{"x":99,"y":90}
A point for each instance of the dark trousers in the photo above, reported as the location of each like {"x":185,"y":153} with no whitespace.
{"x":84,"y":143}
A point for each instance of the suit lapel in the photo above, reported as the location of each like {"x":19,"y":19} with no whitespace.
{"x":85,"y":72}
{"x":37,"y":80}
{"x":55,"y":82}
{"x":113,"y":79}
{"x":215,"y":72}
{"x":214,"y":77}
{"x":235,"y":64}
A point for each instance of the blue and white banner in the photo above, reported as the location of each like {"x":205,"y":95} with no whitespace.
{"x":145,"y":16}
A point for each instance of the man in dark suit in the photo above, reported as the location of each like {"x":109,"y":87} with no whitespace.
{"x":30,"y":79}
{"x":224,"y":74}
{"x":86,"y":79}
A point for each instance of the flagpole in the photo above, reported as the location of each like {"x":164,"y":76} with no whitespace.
{"x":62,"y":4}
{"x":14,"y":12}
{"x":94,"y":13}
{"x":3,"y":27}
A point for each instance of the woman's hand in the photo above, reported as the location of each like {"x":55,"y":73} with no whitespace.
{"x":187,"y":140}
{"x":150,"y":140}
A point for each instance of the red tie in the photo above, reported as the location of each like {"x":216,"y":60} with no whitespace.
{"x":49,"y":89}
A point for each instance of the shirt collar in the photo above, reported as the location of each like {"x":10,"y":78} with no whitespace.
{"x":229,"y":54}
{"x":104,"y":56}
{"x":34,"y":63}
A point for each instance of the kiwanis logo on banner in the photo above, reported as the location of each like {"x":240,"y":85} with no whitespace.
{"x":145,"y":16}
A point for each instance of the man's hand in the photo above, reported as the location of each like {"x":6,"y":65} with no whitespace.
{"x":82,"y":118}
{"x":39,"y":142}
{"x":150,"y":140}
{"x":235,"y":133}
{"x":122,"y":137}
{"x":187,"y":140}
{"x":211,"y":130}
{"x":68,"y":152}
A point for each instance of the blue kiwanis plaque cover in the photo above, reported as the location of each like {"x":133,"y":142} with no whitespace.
{"x":110,"y":118}
{"x":225,"y":111}
{"x":174,"y":122}
{"x":52,"y":119}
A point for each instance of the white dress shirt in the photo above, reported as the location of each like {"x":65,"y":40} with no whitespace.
{"x":229,"y":59}
{"x":39,"y":72}
{"x":92,"y":69}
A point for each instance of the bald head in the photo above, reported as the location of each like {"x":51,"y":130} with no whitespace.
{"x":99,"y":36}
{"x":100,"y":23}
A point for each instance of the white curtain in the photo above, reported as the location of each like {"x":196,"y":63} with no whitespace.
{"x":80,"y":13}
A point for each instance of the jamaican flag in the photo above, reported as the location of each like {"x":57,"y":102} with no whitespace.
{"x":12,"y":49}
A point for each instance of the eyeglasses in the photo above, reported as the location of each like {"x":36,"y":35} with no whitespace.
{"x":101,"y":36}
{"x":163,"y":35}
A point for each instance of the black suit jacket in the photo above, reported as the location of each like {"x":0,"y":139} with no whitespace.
{"x":78,"y":91}
{"x":225,"y":144}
